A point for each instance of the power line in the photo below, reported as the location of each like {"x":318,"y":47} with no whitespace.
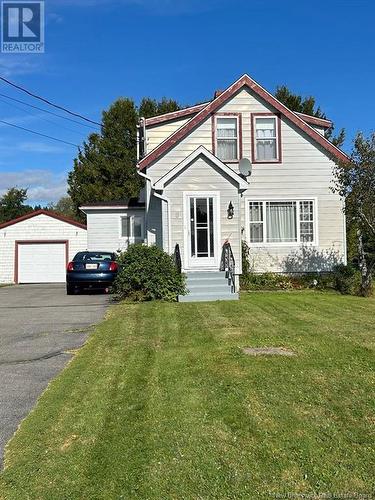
{"x":22,"y":89}
{"x":41,"y":117}
{"x":45,"y":111}
{"x":38,"y":133}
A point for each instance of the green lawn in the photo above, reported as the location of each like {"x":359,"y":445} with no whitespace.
{"x":161,"y":403}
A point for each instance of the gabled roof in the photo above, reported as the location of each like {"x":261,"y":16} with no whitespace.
{"x":201,"y":151}
{"x":314,"y":120}
{"x":42,"y":212}
{"x":193,"y":110}
{"x":212,"y":106}
{"x":175,"y":115}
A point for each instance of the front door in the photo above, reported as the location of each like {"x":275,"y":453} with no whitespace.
{"x":202,"y":231}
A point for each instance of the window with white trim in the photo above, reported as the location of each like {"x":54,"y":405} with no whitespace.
{"x":306,"y":218}
{"x":132,"y":228}
{"x":256,"y":221}
{"x":266,"y":140}
{"x":281,"y":222}
{"x":227,"y":143}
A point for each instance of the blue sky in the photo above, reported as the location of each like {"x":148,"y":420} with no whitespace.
{"x":98,"y":50}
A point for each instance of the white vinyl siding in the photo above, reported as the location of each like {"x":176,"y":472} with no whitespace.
{"x":106,"y":228}
{"x":40,"y":227}
{"x":305,"y":173}
{"x":202,"y":173}
{"x":157,"y":134}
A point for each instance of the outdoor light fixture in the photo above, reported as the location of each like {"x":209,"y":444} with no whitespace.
{"x":230,"y":210}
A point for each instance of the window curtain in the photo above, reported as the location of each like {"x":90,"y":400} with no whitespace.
{"x":266,"y":138}
{"x":227,"y":138}
{"x":281,"y":222}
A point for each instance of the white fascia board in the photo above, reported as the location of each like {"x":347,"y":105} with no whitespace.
{"x":201,"y":150}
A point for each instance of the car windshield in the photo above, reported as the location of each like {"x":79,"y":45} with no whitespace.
{"x":87,"y":256}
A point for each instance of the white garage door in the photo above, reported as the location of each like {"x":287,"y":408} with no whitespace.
{"x":41,"y":263}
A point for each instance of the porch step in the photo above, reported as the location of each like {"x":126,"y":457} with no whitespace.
{"x":207,"y":297}
{"x":207,"y":275}
{"x":199,"y":286}
{"x":207,"y":286}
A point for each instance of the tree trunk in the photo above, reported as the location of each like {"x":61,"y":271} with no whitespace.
{"x":366,"y":275}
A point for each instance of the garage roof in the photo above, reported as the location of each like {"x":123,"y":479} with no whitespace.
{"x":43,"y":212}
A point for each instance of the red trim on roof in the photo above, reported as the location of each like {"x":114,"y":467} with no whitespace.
{"x":174,"y":115}
{"x":244,"y":81}
{"x":43,"y":212}
{"x":314,"y":120}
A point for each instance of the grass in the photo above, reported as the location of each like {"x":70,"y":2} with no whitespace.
{"x":161,"y":403}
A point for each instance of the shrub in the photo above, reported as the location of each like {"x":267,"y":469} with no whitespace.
{"x":147,"y":273}
{"x":347,"y":280}
{"x":265,"y":281}
{"x":276,"y":281}
{"x":319,"y":281}
{"x":245,"y":258}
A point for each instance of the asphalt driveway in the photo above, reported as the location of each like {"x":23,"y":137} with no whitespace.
{"x":38,"y":325}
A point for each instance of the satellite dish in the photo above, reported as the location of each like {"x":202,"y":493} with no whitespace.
{"x":245,"y":167}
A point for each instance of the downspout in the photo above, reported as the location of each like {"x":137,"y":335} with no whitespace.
{"x":345,"y":249}
{"x":148,"y":182}
{"x":163,"y":198}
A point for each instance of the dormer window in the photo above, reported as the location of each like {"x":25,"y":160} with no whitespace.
{"x":227,"y":137}
{"x":266,"y":138}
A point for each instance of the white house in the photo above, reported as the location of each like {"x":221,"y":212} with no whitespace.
{"x":36,"y":247}
{"x":199,"y":194}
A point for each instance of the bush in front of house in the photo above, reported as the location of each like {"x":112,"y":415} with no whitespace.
{"x":347,"y":280}
{"x":265,"y":281}
{"x":147,"y":273}
{"x":277,"y":281}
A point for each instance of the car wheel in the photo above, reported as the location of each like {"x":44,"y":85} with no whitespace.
{"x":70,"y":289}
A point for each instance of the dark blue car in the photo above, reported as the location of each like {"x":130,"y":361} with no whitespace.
{"x":91,"y":270}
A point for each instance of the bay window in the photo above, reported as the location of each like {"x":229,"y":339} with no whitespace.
{"x":266,"y":139}
{"x":227,"y":138}
{"x":281,"y":222}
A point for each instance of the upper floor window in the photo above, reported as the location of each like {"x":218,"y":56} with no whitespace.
{"x":132,"y":228}
{"x":227,"y":138}
{"x":266,"y":136}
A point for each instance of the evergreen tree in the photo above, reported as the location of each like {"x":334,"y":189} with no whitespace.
{"x":12,"y":204}
{"x":307,"y":105}
{"x":105,"y":168}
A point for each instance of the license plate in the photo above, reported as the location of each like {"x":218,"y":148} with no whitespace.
{"x":91,"y":266}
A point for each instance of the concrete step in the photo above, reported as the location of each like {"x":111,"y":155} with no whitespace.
{"x":211,"y":286}
{"x":207,"y":297}
{"x":207,"y":286}
{"x":210,"y":283}
{"x":204,"y":275}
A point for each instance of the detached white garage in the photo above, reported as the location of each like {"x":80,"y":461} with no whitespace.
{"x":36,"y":247}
